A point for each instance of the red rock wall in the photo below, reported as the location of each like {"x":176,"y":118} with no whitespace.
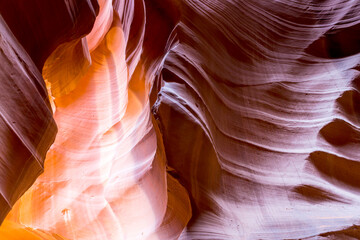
{"x":184,"y":119}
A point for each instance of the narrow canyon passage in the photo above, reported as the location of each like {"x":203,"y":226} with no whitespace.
{"x":179,"y":119}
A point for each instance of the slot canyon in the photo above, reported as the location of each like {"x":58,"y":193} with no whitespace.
{"x":179,"y":119}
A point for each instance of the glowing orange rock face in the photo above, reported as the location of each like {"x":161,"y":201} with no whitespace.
{"x":252,"y":105}
{"x":105,"y":173}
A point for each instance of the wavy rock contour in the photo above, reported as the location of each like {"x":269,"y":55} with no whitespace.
{"x":184,"y":119}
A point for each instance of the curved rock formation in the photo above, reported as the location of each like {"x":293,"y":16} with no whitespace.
{"x":270,"y":150}
{"x":26,"y":124}
{"x":188,"y":119}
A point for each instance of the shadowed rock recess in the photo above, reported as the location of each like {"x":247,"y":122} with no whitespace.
{"x":179,"y":119}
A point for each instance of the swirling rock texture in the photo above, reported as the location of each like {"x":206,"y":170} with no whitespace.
{"x":180,"y":119}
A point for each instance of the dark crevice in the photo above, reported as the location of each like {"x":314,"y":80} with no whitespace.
{"x":337,"y":44}
{"x":337,"y":170}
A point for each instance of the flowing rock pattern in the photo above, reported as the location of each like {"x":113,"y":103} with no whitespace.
{"x":27,"y":128}
{"x":185,"y":119}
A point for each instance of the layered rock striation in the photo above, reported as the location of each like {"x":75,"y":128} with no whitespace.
{"x":180,"y":119}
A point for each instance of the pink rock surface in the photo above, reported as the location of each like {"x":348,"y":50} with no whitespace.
{"x":182,"y":119}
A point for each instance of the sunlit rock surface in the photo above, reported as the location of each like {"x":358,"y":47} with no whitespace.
{"x":180,"y":119}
